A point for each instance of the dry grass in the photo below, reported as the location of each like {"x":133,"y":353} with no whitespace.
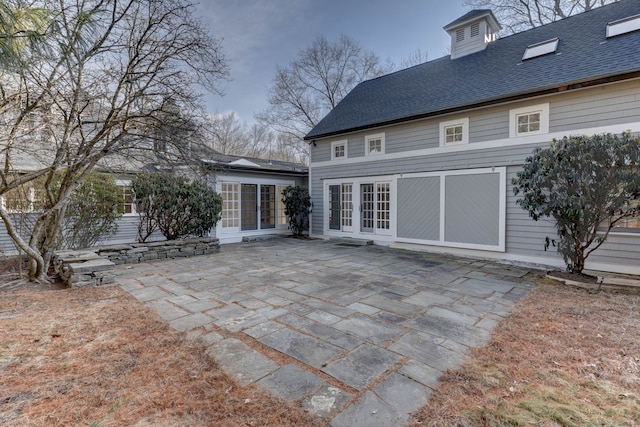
{"x":563,"y":357}
{"x":97,"y":357}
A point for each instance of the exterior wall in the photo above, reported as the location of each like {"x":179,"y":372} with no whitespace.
{"x":415,"y":148}
{"x":236,"y":234}
{"x":128,"y":224}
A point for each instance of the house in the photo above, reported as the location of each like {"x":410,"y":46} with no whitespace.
{"x":251,"y":189}
{"x":423,"y":158}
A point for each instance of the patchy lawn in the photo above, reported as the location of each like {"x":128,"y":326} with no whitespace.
{"x":564,"y":357}
{"x":97,"y":357}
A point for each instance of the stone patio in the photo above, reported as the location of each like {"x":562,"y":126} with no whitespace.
{"x":364,"y":331}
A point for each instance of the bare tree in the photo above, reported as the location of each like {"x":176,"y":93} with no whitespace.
{"x":314,"y":82}
{"x":417,"y":57}
{"x":116,"y":72}
{"x":228,"y":135}
{"x":519,"y":15}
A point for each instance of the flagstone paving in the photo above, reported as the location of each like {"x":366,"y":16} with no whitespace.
{"x":361,"y":333}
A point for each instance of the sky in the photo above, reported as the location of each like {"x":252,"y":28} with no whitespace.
{"x":259,"y":35}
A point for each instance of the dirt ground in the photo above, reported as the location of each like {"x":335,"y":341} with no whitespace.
{"x":95,"y":356}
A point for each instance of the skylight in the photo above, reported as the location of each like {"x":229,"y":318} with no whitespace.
{"x":540,"y":49}
{"x":623,"y":26}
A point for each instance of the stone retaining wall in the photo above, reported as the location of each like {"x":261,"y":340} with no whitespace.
{"x":135,"y":253}
{"x":94,"y":266}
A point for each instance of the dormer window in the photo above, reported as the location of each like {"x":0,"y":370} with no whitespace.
{"x":623,"y":26}
{"x":539,"y":49}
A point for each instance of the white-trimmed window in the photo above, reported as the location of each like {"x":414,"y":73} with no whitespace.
{"x":374,"y":144}
{"x":127,"y":199}
{"x":526,"y":121}
{"x":230,"y":192}
{"x":23,"y":199}
{"x":454,"y":132}
{"x":339,"y":150}
{"x":281,"y":218}
{"x":126,"y":194}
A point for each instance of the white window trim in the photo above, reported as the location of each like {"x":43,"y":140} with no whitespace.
{"x":368,"y":138}
{"x":121,"y":183}
{"x":335,"y":144}
{"x":464,"y":122}
{"x":543,"y":109}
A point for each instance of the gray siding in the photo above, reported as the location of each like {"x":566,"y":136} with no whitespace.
{"x":488,"y":125}
{"x":419,"y":208}
{"x":601,"y":106}
{"x":526,"y":237}
{"x":587,"y":108}
{"x":592,"y":107}
{"x":472,"y":209}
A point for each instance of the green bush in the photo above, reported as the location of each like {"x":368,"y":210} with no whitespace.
{"x":92,"y":212}
{"x":587,"y":185}
{"x":297,"y":206}
{"x":175,"y":206}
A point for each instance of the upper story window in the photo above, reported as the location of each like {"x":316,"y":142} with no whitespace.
{"x":526,"y":121}
{"x":454,"y":132}
{"x":339,"y":150}
{"x":374,"y":144}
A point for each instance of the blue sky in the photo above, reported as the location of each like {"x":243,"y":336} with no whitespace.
{"x":258,"y":35}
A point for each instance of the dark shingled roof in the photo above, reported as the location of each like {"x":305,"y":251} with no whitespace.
{"x":494,"y":75}
{"x":224,"y":161}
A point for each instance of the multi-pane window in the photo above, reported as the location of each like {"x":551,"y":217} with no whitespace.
{"x":347,"y":205}
{"x":453,"y":134}
{"x":374,"y":144}
{"x":230,"y":193}
{"x":631,"y":223}
{"x":127,"y":200}
{"x":23,"y":199}
{"x":339,"y":150}
{"x":267,"y":206}
{"x":383,"y":206}
{"x":528,"y":122}
{"x":280,"y":215}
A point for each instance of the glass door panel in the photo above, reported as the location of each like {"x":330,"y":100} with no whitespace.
{"x":267,"y":206}
{"x":249,"y":207}
{"x":367,"y":207}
